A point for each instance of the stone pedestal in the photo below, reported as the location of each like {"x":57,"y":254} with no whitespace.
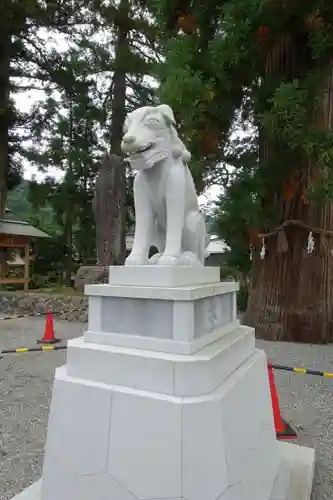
{"x":165,"y":397}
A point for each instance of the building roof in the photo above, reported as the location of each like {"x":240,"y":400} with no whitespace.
{"x":129,"y":241}
{"x":216,"y":246}
{"x":20,"y":228}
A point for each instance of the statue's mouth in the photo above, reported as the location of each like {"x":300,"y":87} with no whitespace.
{"x":141,"y":150}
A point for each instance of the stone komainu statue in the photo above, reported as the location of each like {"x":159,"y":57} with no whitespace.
{"x":166,"y":206}
{"x":109,"y":211}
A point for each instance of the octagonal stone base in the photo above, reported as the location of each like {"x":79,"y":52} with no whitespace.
{"x":108,"y":442}
{"x":293,"y":481}
{"x":150,"y":440}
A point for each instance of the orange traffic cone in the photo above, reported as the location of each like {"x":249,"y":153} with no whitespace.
{"x":282,"y":428}
{"x":49,"y":337}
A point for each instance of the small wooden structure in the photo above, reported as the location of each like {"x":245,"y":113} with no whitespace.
{"x":16,"y":235}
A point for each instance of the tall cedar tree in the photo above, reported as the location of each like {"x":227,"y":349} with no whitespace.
{"x":11,"y":24}
{"x":268,"y":62}
{"x":129,"y":24}
{"x":23,"y":55}
{"x":109,"y":200}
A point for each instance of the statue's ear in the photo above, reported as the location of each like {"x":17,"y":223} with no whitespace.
{"x":167,"y":114}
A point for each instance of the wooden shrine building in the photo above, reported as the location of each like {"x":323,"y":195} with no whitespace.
{"x":15,"y":239}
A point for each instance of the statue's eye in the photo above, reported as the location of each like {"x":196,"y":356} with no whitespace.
{"x":153,"y":122}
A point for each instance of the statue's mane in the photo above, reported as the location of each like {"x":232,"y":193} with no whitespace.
{"x":179,"y":150}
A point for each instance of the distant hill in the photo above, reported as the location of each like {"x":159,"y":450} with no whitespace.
{"x":18,"y":203}
{"x":20,"y":208}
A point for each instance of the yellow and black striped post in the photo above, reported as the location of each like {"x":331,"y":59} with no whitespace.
{"x":16,"y":316}
{"x":303,"y":371}
{"x":44,"y":348}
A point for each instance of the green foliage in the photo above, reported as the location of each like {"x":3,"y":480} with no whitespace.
{"x":18,"y":203}
{"x":49,"y":257}
{"x":287,"y":119}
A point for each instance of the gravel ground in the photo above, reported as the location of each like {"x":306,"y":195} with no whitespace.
{"x":26,"y":385}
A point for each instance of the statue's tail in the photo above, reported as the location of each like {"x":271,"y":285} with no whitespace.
{"x":199,"y":239}
{"x":204,"y":241}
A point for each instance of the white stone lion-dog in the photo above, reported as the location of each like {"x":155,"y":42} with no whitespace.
{"x":166,"y":206}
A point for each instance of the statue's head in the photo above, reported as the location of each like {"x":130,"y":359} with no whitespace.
{"x":150,"y":136}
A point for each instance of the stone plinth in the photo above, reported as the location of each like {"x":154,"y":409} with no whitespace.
{"x":187,"y":309}
{"x":166,"y":398}
{"x":163,"y":373}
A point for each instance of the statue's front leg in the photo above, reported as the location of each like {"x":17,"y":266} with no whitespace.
{"x":175,"y":210}
{"x":144,"y":223}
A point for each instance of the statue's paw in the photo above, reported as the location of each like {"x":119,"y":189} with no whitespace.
{"x":169,"y":260}
{"x":136,"y":260}
{"x":189,"y":259}
{"x":154,"y":259}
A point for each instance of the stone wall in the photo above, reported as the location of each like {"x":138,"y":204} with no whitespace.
{"x":69,"y":307}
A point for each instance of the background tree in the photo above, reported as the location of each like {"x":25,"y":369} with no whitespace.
{"x":131,"y":64}
{"x":27,"y":63}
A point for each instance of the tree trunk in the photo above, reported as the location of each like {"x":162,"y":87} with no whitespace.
{"x":68,"y":226}
{"x":119,"y":79}
{"x":109,"y":202}
{"x":109,"y":208}
{"x":291,"y":298}
{"x":5,"y":113}
{"x":68,"y":233}
{"x":84,"y":252}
